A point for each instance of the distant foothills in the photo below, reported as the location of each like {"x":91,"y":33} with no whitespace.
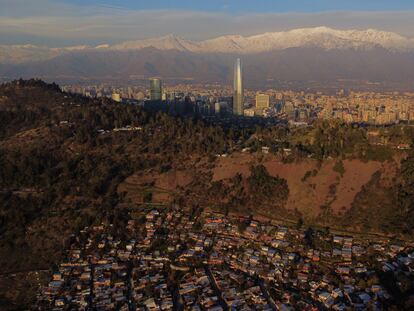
{"x":318,"y":55}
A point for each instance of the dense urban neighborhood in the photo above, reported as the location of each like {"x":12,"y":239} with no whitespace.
{"x":166,"y":258}
{"x":208,"y":100}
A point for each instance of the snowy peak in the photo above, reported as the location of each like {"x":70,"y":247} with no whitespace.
{"x":320,"y":37}
{"x":169,"y":42}
{"x":14,"y":54}
{"x":357,"y":37}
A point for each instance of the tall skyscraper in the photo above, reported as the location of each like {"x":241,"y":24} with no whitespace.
{"x":262,"y":101}
{"x":155,"y":89}
{"x":238,"y":95}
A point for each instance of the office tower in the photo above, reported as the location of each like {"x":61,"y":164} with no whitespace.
{"x":155,"y":89}
{"x":217,"y":108}
{"x":238,"y":96}
{"x":262,"y":101}
{"x":130,"y":92}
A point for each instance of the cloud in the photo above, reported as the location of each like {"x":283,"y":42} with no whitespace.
{"x":56,"y":23}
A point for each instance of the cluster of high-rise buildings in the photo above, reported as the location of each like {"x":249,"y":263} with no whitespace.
{"x":216,"y":99}
{"x":355,"y":107}
{"x":371,"y":108}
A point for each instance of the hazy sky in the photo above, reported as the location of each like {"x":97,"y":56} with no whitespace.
{"x":72,"y":22}
{"x":247,"y":6}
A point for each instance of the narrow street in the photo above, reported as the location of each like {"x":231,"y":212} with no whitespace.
{"x":216,"y":288}
{"x":266,"y":294}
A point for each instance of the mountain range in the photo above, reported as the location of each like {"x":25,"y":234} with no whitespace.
{"x":317,"y":54}
{"x":320,"y":37}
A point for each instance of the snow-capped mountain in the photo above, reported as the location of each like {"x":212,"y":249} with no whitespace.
{"x":14,"y":54}
{"x":169,"y":42}
{"x":320,"y":37}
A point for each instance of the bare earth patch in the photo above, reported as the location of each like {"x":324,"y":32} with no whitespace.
{"x":307,"y":196}
{"x":161,"y":186}
{"x":357,"y":174}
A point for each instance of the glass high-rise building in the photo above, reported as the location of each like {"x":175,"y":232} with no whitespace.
{"x":262,"y":101}
{"x":238,"y":95}
{"x":155,"y":89}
